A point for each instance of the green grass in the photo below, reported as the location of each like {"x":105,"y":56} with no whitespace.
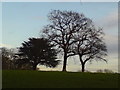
{"x":39,"y":79}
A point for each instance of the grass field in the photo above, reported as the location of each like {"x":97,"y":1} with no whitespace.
{"x":39,"y":79}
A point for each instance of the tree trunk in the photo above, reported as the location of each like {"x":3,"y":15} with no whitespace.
{"x":82,"y":63}
{"x":64,"y":62}
{"x":34,"y":66}
{"x":83,"y":67}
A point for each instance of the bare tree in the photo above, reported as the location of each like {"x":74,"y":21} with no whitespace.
{"x":90,"y":44}
{"x":64,"y":24}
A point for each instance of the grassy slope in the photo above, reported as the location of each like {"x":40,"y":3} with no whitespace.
{"x":37,"y":79}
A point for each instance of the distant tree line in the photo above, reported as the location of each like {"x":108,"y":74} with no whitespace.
{"x":70,"y":33}
{"x":36,"y":51}
{"x":104,"y":71}
{"x":6,"y":55}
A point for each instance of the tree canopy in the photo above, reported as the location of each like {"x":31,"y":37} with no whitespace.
{"x":90,"y":45}
{"x":38,"y":51}
{"x":71,"y":32}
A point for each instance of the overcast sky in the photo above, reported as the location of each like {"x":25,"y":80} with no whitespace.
{"x":22,"y":20}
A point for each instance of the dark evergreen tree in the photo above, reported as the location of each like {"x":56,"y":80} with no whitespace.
{"x":38,"y":51}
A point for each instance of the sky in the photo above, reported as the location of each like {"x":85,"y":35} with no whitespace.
{"x":21,"y":20}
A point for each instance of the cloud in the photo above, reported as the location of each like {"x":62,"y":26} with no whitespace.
{"x":110,"y":26}
{"x":112,"y":44}
{"x":6,"y":45}
{"x":111,"y":39}
{"x":112,"y":47}
{"x":109,"y":21}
